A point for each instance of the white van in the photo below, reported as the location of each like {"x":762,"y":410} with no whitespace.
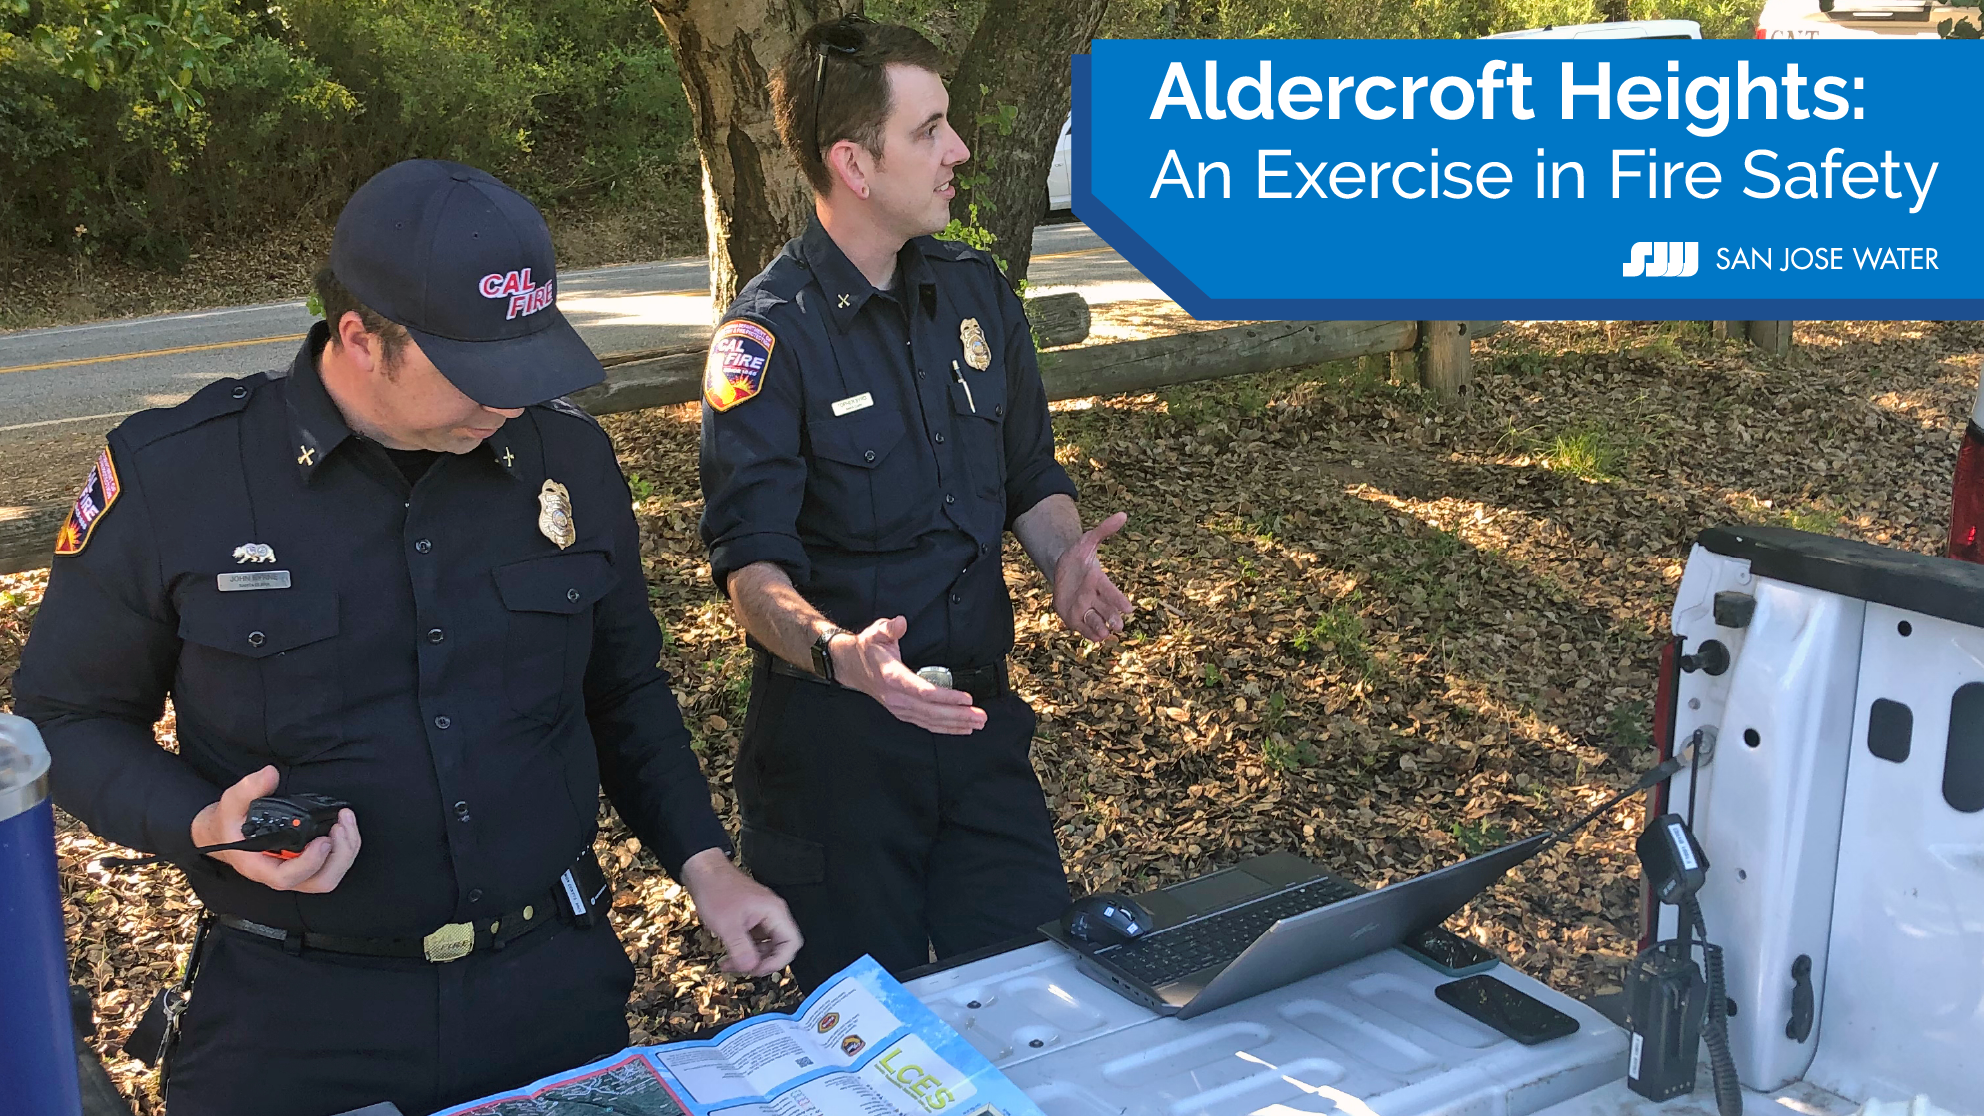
{"x":1620,"y":29}
{"x":1060,"y":173}
{"x":1857,"y":19}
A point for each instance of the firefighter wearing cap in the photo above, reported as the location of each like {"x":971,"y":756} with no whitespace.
{"x":873,"y":424}
{"x":404,"y":573}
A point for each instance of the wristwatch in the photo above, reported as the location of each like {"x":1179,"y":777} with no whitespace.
{"x":823,"y":660}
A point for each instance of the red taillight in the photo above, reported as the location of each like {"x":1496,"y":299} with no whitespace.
{"x":1967,"y":498}
{"x":1663,"y":739}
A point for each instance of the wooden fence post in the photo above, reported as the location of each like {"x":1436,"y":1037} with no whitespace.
{"x":1772,"y":337}
{"x":1446,"y":358}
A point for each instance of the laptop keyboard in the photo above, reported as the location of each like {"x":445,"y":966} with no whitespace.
{"x":1167,"y":955}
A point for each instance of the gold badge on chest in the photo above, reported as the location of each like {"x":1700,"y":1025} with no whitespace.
{"x":554,"y":514}
{"x":976,"y":352}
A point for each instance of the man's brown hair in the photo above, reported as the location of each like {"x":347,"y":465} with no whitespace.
{"x":848,"y":60}
{"x":338,"y":301}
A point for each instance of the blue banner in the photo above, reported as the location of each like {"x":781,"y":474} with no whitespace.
{"x":1519,"y":179}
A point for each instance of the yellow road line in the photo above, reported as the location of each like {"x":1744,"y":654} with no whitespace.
{"x":1070,"y":255}
{"x":155,"y":352}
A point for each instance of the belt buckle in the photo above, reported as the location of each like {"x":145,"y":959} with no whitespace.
{"x":452,"y":942}
{"x":937,"y":676}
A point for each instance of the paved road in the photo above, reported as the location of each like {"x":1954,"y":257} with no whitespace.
{"x":71,"y":376}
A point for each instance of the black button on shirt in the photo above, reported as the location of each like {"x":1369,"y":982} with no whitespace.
{"x":873,"y":508}
{"x":546,"y":685}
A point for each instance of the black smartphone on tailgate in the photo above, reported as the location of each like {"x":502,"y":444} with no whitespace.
{"x":1509,"y":1010}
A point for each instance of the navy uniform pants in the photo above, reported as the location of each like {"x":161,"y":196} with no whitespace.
{"x":321,"y":1033}
{"x":887,"y":839}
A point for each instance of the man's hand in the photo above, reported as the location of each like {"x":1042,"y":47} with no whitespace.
{"x":317,"y":869}
{"x":759,"y":936}
{"x":872,"y":663}
{"x":1087,"y":601}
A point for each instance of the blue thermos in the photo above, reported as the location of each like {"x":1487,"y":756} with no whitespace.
{"x":37,"y":1033}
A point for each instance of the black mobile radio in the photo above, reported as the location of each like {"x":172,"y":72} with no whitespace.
{"x":281,"y":827}
{"x":1672,"y":1006}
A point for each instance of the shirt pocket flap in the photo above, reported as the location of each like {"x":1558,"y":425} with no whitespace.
{"x":982,"y":397}
{"x":562,"y":583}
{"x":862,"y":439}
{"x":260,"y":623}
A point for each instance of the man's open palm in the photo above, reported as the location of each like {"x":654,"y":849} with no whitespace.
{"x":1087,"y":601}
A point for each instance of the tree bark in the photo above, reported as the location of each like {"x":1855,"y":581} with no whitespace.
{"x":754,"y":196}
{"x":1019,"y":57}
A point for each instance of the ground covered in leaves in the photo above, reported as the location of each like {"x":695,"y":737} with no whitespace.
{"x":1383,"y":632}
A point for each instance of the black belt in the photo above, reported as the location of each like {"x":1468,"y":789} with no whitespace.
{"x":573,"y":898}
{"x":982,"y":683}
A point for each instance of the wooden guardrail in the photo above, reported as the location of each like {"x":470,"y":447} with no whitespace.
{"x":1438,"y":350}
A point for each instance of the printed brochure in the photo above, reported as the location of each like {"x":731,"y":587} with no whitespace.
{"x":860,"y":1045}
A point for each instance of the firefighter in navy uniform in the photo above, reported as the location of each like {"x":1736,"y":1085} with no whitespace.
{"x":403,"y":573}
{"x":873,"y":423}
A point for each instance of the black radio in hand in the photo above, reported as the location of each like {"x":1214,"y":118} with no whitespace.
{"x":282,"y":826}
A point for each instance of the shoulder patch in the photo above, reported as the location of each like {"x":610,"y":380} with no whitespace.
{"x":735,"y":370}
{"x":100,"y":490}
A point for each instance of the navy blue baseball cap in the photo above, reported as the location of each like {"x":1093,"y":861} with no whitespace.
{"x":464,"y":263}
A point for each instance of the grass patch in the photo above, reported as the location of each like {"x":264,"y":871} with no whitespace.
{"x":1339,"y":630}
{"x":1817,"y":519}
{"x":1591,"y":453}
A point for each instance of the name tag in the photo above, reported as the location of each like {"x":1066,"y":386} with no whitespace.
{"x":259,"y":579}
{"x":853,"y":403}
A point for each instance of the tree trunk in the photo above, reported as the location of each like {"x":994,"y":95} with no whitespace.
{"x":1019,"y":57}
{"x":754,"y":196}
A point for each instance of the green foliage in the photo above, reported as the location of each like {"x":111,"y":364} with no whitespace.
{"x":1477,"y":837}
{"x":152,"y":121}
{"x":1284,"y":756}
{"x":1404,"y":19}
{"x":168,"y":52}
{"x":1630,"y":725}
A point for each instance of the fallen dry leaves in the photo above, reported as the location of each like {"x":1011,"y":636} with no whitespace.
{"x":1378,"y":631}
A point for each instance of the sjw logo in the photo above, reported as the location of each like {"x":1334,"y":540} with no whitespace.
{"x":1671,"y":259}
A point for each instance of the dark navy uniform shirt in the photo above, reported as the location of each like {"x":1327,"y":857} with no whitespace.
{"x":436,"y":660}
{"x":885,"y":445}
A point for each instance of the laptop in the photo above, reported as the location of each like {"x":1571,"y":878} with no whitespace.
{"x":1273,"y":920}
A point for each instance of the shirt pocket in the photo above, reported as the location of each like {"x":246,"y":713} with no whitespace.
{"x":858,"y":480}
{"x":261,"y":668}
{"x":550,"y":601}
{"x":978,"y":402}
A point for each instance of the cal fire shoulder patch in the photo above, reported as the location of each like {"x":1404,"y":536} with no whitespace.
{"x":736,"y":367}
{"x":100,"y":490}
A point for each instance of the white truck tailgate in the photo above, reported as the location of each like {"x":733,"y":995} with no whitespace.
{"x":1366,"y":1039}
{"x":1842,"y":810}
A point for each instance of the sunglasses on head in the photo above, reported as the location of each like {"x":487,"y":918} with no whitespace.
{"x":843,"y":36}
